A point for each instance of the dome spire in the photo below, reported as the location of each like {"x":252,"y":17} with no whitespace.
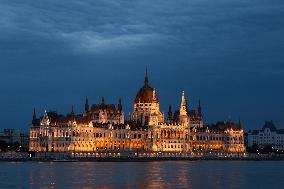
{"x":146,"y":94}
{"x":146,"y":81}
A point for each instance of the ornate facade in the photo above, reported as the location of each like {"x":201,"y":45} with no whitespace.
{"x":102,"y":128}
{"x":147,"y":106}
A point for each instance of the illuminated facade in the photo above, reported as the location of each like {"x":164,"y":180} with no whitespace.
{"x":224,"y":136}
{"x":147,"y":106}
{"x":102,"y":128}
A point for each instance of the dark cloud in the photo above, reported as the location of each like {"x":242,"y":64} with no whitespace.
{"x":227,"y":53}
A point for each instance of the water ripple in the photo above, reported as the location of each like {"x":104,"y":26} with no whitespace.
{"x":199,"y":174}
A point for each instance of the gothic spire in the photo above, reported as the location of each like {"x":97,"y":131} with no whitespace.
{"x":45,"y":120}
{"x":87,"y":107}
{"x":72,"y":110}
{"x":146,"y":80}
{"x":103,"y":100}
{"x":199,"y":108}
{"x":183,"y":108}
{"x":34,"y":118}
{"x":119,"y":106}
{"x":170,"y":113}
{"x":240,"y":123}
{"x":34,"y":115}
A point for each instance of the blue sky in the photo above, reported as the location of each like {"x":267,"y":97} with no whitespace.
{"x":229,"y":54}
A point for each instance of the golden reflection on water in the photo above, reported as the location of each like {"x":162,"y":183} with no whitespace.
{"x":154,"y":178}
{"x":110,"y":175}
{"x":150,"y":175}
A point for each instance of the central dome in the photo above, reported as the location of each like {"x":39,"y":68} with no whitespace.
{"x":146,"y":94}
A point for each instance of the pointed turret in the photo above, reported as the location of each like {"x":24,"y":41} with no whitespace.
{"x":72,"y":110}
{"x":199,"y":109}
{"x":240,"y":124}
{"x":103,"y":100}
{"x":45,"y":119}
{"x":45,"y":115}
{"x":229,"y":119}
{"x":72,"y":114}
{"x":183,"y":108}
{"x":170,"y":114}
{"x":34,"y":115}
{"x":87,"y":107}
{"x":183,"y":118}
{"x":34,"y":118}
{"x":119,"y":106}
{"x":154,"y":96}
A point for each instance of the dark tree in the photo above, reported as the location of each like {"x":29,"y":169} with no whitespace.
{"x":3,"y":145}
{"x":267,"y":149}
{"x":254,"y":149}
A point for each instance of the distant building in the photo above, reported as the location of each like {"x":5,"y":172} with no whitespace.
{"x":102,"y":127}
{"x":24,"y":141}
{"x":10,"y":136}
{"x":269,"y":135}
{"x":13,"y":136}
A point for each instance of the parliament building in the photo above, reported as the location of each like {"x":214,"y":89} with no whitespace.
{"x":102,"y":128}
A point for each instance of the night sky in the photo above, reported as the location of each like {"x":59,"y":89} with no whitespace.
{"x":228,"y":54}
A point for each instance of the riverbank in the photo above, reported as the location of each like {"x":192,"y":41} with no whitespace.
{"x":137,"y":157}
{"x":142,"y":159}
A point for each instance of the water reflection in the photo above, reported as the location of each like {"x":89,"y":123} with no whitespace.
{"x":199,"y":174}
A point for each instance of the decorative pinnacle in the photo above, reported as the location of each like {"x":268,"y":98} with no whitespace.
{"x":199,"y":108}
{"x":146,"y":80}
{"x":119,"y":104}
{"x":34,"y":115}
{"x":87,"y":104}
{"x":183,"y":104}
{"x":72,"y":110}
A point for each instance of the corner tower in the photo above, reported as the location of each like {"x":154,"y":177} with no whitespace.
{"x":147,"y":106}
{"x":183,"y":116}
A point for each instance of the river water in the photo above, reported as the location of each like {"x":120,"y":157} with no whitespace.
{"x":174,"y":174}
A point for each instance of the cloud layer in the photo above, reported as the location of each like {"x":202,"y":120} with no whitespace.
{"x":228,"y":53}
